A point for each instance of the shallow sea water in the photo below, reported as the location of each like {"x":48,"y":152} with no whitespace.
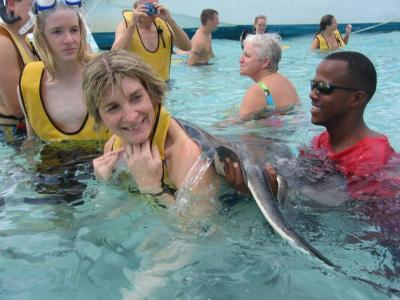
{"x":119,"y":244}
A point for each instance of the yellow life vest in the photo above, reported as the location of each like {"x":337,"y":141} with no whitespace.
{"x":31,"y":95}
{"x":160,"y":59}
{"x":24,"y":56}
{"x":323,"y":45}
{"x":158,"y":137}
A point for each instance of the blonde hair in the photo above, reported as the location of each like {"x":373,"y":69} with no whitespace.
{"x":110,"y":68}
{"x":258,"y":18}
{"x":42,"y":46}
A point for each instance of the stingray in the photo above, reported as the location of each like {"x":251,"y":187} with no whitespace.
{"x":251,"y":153}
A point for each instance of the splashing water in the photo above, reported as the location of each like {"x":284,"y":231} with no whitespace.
{"x":184,"y":196}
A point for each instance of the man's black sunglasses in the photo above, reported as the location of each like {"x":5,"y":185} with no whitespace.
{"x":326,"y":88}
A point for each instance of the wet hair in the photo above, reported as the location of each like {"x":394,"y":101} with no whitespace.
{"x":325,"y":21}
{"x":259,"y":18}
{"x":42,"y":46}
{"x":207,"y":14}
{"x":361,"y":72}
{"x":109,"y":69}
{"x":267,"y":46}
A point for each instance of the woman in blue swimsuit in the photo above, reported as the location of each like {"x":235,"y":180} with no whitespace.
{"x":272,"y":92}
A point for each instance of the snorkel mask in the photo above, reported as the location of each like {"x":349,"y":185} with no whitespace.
{"x":42,"y":5}
{"x":8,"y":18}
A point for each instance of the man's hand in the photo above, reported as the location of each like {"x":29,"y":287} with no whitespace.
{"x":272,"y":177}
{"x":140,"y":11}
{"x":163,"y":12}
{"x":234,"y":176}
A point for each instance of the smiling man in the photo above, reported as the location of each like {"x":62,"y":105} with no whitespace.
{"x":343,"y":85}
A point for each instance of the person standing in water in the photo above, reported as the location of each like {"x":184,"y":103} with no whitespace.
{"x":260,"y":24}
{"x":271,"y":92}
{"x":15,"y":52}
{"x":329,"y":37}
{"x":201,"y":51}
{"x":51,"y":91}
{"x":150,"y":31}
{"x":259,"y":27}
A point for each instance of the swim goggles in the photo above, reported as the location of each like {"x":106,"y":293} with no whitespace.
{"x":42,"y":5}
{"x":326,"y":88}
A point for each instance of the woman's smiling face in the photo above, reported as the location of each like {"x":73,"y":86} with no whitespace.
{"x":128,"y":111}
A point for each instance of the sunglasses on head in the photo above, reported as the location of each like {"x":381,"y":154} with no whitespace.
{"x":42,"y":5}
{"x":326,"y":88}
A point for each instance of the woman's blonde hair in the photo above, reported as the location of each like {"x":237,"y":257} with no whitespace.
{"x":258,"y":18}
{"x":110,"y":68}
{"x":42,"y":46}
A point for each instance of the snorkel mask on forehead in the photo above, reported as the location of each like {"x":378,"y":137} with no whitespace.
{"x":43,"y":5}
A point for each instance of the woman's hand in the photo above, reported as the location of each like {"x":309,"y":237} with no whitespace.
{"x":348,"y":28}
{"x":105,"y":164}
{"x":145,"y":165}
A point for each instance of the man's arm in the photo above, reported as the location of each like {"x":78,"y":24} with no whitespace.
{"x":29,"y":130}
{"x":9,"y":80}
{"x":123,"y":35}
{"x":124,"y":32}
{"x":180,"y":38}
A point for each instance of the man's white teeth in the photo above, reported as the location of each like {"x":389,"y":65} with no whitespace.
{"x":315,"y":108}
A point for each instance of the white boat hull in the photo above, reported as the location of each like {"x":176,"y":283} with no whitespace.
{"x":289,"y":17}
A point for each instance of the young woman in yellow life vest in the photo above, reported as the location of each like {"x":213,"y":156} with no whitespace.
{"x":51,"y":90}
{"x":329,"y":37}
{"x":123,"y":93}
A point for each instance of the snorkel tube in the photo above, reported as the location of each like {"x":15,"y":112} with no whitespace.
{"x":8,"y":18}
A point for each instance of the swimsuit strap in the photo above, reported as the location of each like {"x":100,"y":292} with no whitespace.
{"x":268,"y":96}
{"x":264,"y":88}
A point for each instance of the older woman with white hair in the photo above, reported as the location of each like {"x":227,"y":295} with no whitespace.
{"x":272,"y":93}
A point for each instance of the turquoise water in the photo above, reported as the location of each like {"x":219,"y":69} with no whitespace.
{"x":118,"y":244}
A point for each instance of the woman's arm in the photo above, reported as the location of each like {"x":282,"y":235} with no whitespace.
{"x":348,"y":33}
{"x":253,"y":101}
{"x":315,"y":44}
{"x":181,"y":158}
